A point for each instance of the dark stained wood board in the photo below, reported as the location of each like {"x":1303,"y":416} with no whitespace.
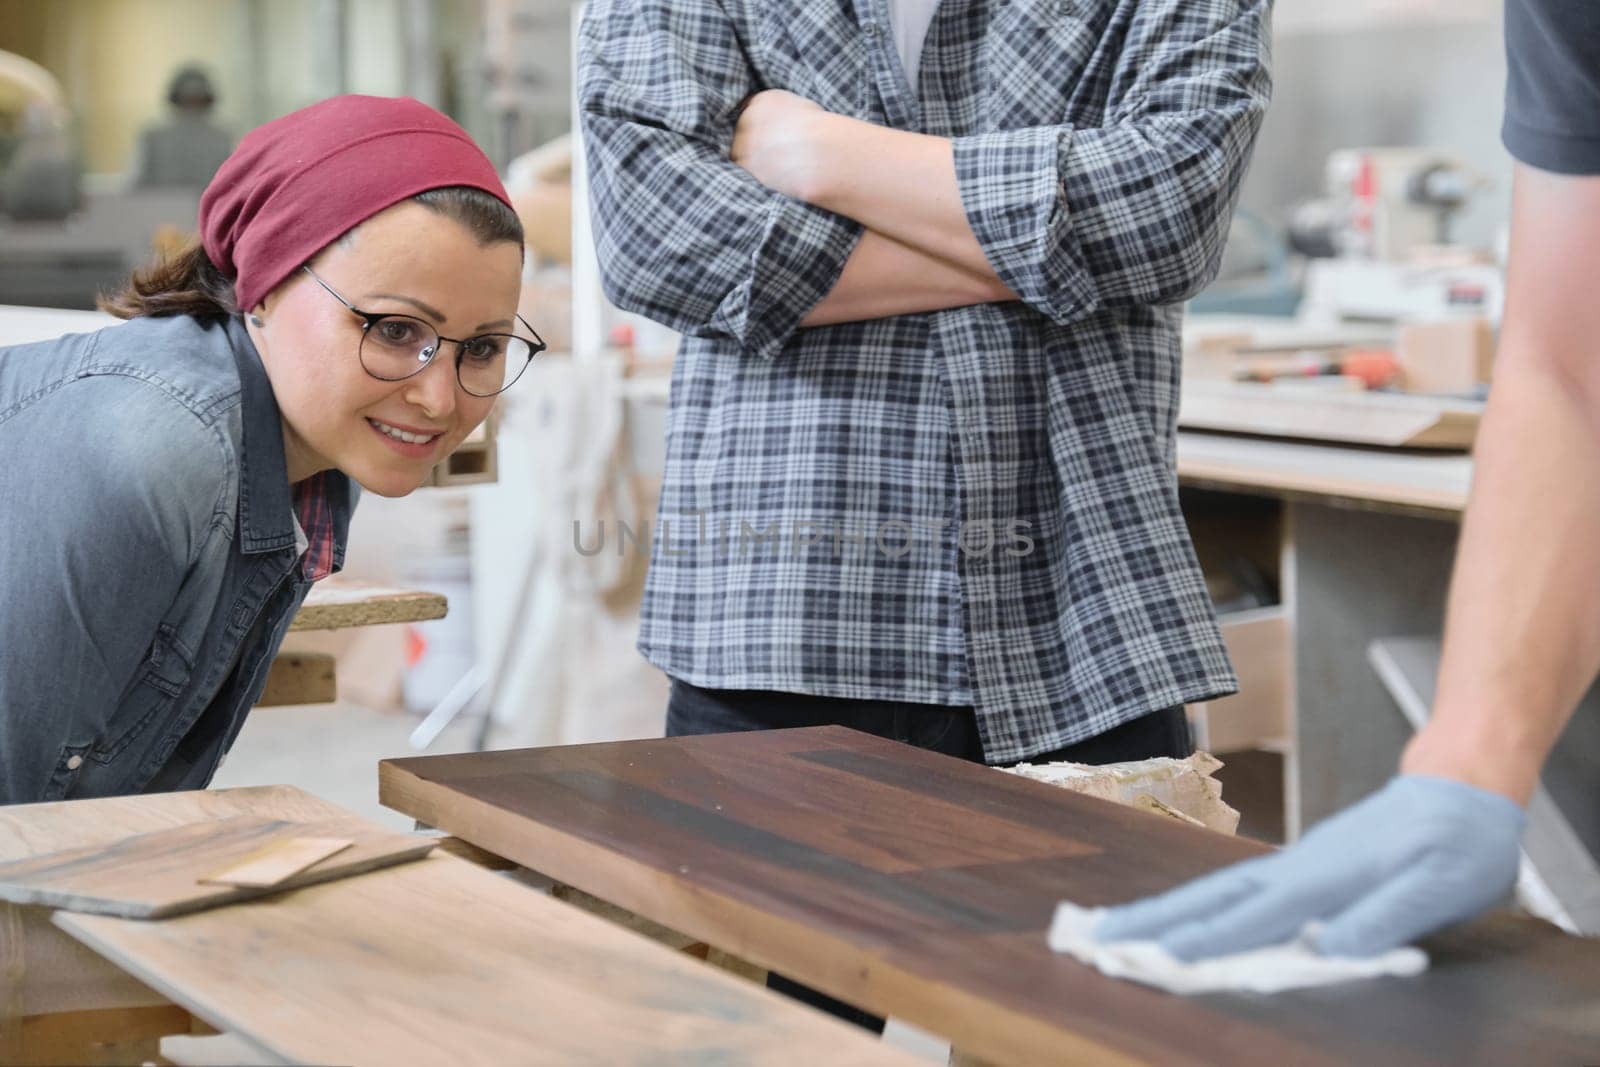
{"x":920,"y":886}
{"x":161,"y":874}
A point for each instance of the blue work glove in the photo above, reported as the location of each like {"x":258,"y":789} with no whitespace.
{"x":1421,"y":853}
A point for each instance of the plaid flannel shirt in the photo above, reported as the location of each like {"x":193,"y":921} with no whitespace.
{"x":830,"y":492}
{"x":313,"y":513}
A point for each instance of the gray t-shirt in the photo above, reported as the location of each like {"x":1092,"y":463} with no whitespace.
{"x":1553,"y":84}
{"x":911,"y":19}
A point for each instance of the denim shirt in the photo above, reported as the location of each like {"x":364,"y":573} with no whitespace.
{"x":148,"y":560}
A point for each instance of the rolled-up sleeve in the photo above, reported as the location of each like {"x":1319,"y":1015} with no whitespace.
{"x":1136,"y":211}
{"x":684,"y":235}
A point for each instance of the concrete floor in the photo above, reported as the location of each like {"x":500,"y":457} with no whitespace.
{"x":332,"y":751}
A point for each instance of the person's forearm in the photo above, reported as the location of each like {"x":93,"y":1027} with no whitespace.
{"x":883,"y":278}
{"x":899,"y":183}
{"x":1522,"y":631}
{"x":1523,"y":627}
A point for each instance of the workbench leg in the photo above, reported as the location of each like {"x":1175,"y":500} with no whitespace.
{"x":1354,"y":576}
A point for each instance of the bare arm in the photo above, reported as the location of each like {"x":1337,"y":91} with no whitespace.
{"x":1522,"y":633}
{"x":1072,"y":219}
{"x":883,"y":278}
{"x":902,"y":185}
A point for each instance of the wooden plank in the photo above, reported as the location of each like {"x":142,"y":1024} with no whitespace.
{"x":169,"y":872}
{"x":272,"y":865}
{"x":921,"y":886}
{"x":1431,"y":486}
{"x":442,"y":962}
{"x":1358,"y":418}
{"x":336,"y":603}
{"x":42,"y":970}
{"x":431,"y":962}
{"x":300,"y":678}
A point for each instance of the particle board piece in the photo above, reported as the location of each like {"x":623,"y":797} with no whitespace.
{"x":337,"y":603}
{"x":169,"y":872}
{"x":920,"y":886}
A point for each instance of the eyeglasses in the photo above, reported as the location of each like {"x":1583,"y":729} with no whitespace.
{"x":396,"y":347}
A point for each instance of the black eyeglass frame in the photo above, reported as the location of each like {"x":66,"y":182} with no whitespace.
{"x":370,"y":319}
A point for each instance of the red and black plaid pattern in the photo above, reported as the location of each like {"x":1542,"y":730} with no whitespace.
{"x":316,"y":519}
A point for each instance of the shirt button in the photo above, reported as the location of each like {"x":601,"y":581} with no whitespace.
{"x":870,"y":29}
{"x":74,"y":763}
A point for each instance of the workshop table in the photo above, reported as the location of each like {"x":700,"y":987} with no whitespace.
{"x":433,"y":961}
{"x":920,"y":886}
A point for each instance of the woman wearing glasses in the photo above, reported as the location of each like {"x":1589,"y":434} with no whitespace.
{"x":172,"y":486}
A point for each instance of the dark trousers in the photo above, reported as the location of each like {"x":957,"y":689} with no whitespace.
{"x":952,"y":731}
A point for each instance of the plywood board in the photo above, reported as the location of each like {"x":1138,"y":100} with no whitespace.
{"x":47,"y":971}
{"x":443,"y":962}
{"x":437,"y":961}
{"x":920,"y":886}
{"x":167,"y":872}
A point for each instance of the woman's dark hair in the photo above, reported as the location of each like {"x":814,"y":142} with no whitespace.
{"x":188,"y":283}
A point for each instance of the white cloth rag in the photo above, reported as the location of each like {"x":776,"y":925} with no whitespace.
{"x":1293,"y":964}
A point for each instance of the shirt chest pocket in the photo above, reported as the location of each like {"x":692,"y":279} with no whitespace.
{"x":161,"y":678}
{"x":1037,"y":66}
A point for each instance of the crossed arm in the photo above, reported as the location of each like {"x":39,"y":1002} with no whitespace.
{"x":917,"y":252}
{"x":805,"y":218}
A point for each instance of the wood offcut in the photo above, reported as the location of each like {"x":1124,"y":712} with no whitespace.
{"x":173,"y":872}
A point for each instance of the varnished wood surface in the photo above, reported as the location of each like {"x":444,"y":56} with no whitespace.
{"x":921,"y":886}
{"x":432,"y":962}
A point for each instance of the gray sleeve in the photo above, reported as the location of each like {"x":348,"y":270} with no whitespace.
{"x":1552,"y":118}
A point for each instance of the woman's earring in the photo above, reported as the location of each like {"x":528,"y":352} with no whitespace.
{"x":255,"y":320}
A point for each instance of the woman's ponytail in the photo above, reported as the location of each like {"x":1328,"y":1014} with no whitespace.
{"x":186,"y":283}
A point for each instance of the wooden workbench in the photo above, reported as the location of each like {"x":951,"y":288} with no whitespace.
{"x":435,"y":961}
{"x":920,"y":886}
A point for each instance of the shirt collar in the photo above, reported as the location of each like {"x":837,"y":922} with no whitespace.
{"x":266,"y":509}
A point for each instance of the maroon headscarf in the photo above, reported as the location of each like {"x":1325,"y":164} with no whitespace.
{"x":296,"y":184}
